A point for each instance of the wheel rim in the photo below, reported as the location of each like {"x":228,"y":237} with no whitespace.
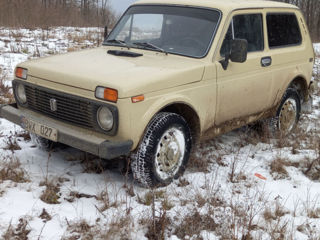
{"x":170,"y":153}
{"x":288,"y":115}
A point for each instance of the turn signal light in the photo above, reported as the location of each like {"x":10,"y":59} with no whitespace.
{"x":108,"y":94}
{"x":136,"y":99}
{"x":21,"y":73}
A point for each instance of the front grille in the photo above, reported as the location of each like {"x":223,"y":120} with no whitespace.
{"x":69,"y":108}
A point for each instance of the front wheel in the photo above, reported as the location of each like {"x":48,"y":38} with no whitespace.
{"x":164,"y":151}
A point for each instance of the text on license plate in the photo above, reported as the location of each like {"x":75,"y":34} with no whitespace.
{"x":40,"y":129}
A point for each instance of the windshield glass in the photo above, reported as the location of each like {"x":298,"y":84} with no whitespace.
{"x":179,"y":30}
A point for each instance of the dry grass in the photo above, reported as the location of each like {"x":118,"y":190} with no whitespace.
{"x":20,"y":232}
{"x":91,"y":164}
{"x":12,"y":144}
{"x":73,"y":195}
{"x":157,"y":226}
{"x":10,"y":169}
{"x":45,"y":216}
{"x":79,"y":230}
{"x":151,"y":196}
{"x":118,"y":228}
{"x":278,"y":168}
{"x":273,"y":214}
{"x":193,"y":223}
{"x":6,"y":94}
{"x":103,"y":197}
{"x":198,"y":159}
{"x":51,"y":193}
{"x":311,"y":168}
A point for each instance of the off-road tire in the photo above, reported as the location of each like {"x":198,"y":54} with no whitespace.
{"x":291,"y":94}
{"x":144,"y":161}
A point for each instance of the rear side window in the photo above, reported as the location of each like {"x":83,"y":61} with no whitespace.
{"x":283,"y":30}
{"x":247,"y":27}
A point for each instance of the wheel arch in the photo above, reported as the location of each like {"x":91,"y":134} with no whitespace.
{"x":177,"y":105}
{"x":300,"y":84}
{"x":189,"y":114}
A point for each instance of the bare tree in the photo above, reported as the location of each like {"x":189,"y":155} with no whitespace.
{"x":46,"y":13}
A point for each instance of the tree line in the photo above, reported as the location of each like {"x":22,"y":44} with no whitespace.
{"x":47,"y":13}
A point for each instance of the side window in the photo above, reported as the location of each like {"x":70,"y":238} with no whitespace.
{"x":247,"y":27}
{"x":283,"y":30}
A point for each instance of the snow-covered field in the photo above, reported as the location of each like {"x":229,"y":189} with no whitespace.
{"x":237,"y":186}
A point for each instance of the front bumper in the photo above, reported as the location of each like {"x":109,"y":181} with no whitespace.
{"x":70,"y":135}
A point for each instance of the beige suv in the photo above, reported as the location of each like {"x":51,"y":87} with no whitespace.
{"x":170,"y":73}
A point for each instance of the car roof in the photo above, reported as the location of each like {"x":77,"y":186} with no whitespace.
{"x":223,"y":5}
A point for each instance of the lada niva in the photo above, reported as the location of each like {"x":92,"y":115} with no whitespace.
{"x":170,"y":73}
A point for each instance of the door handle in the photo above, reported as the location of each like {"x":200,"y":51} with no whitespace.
{"x":266,"y":61}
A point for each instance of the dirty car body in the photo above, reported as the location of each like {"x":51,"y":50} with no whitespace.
{"x":169,"y":74}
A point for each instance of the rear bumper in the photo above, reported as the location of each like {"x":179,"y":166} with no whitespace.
{"x":70,"y":135}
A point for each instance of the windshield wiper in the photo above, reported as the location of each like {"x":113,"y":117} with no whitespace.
{"x":121,"y":42}
{"x":150,"y":46}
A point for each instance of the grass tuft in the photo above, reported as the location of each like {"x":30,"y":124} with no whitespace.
{"x":51,"y":193}
{"x":11,"y":170}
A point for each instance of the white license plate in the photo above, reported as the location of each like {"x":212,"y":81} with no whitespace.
{"x":40,"y":129}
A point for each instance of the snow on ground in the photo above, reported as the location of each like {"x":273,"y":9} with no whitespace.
{"x":237,"y":185}
{"x":317,"y":48}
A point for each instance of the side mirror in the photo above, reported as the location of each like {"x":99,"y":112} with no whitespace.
{"x":105,"y":34}
{"x":239,"y":50}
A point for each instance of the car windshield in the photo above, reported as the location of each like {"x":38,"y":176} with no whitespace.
{"x":178,"y":30}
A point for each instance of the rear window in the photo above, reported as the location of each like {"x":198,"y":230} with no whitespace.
{"x":283,"y":30}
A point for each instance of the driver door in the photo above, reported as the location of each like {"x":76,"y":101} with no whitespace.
{"x":243,"y":89}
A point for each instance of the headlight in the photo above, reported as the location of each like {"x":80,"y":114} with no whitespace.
{"x":105,"y":118}
{"x":21,"y":93}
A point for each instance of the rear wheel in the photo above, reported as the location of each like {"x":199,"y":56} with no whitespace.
{"x":164,"y":151}
{"x":288,"y":113}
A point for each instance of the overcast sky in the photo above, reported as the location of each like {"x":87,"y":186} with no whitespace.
{"x":121,"y":5}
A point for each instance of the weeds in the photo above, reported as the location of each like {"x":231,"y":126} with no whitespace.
{"x":277,"y":168}
{"x":104,"y":198}
{"x":45,"y":216}
{"x":10,"y":169}
{"x":79,"y":230}
{"x":6,"y":95}
{"x":119,"y":228}
{"x":76,"y":195}
{"x":20,"y":232}
{"x":12,"y":143}
{"x":149,"y":196}
{"x":158,"y":225}
{"x":312,"y":167}
{"x":193,"y":223}
{"x":51,"y":193}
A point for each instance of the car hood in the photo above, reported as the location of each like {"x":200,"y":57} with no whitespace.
{"x":131,"y":76}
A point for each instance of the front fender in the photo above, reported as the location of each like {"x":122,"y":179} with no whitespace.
{"x":149,"y":108}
